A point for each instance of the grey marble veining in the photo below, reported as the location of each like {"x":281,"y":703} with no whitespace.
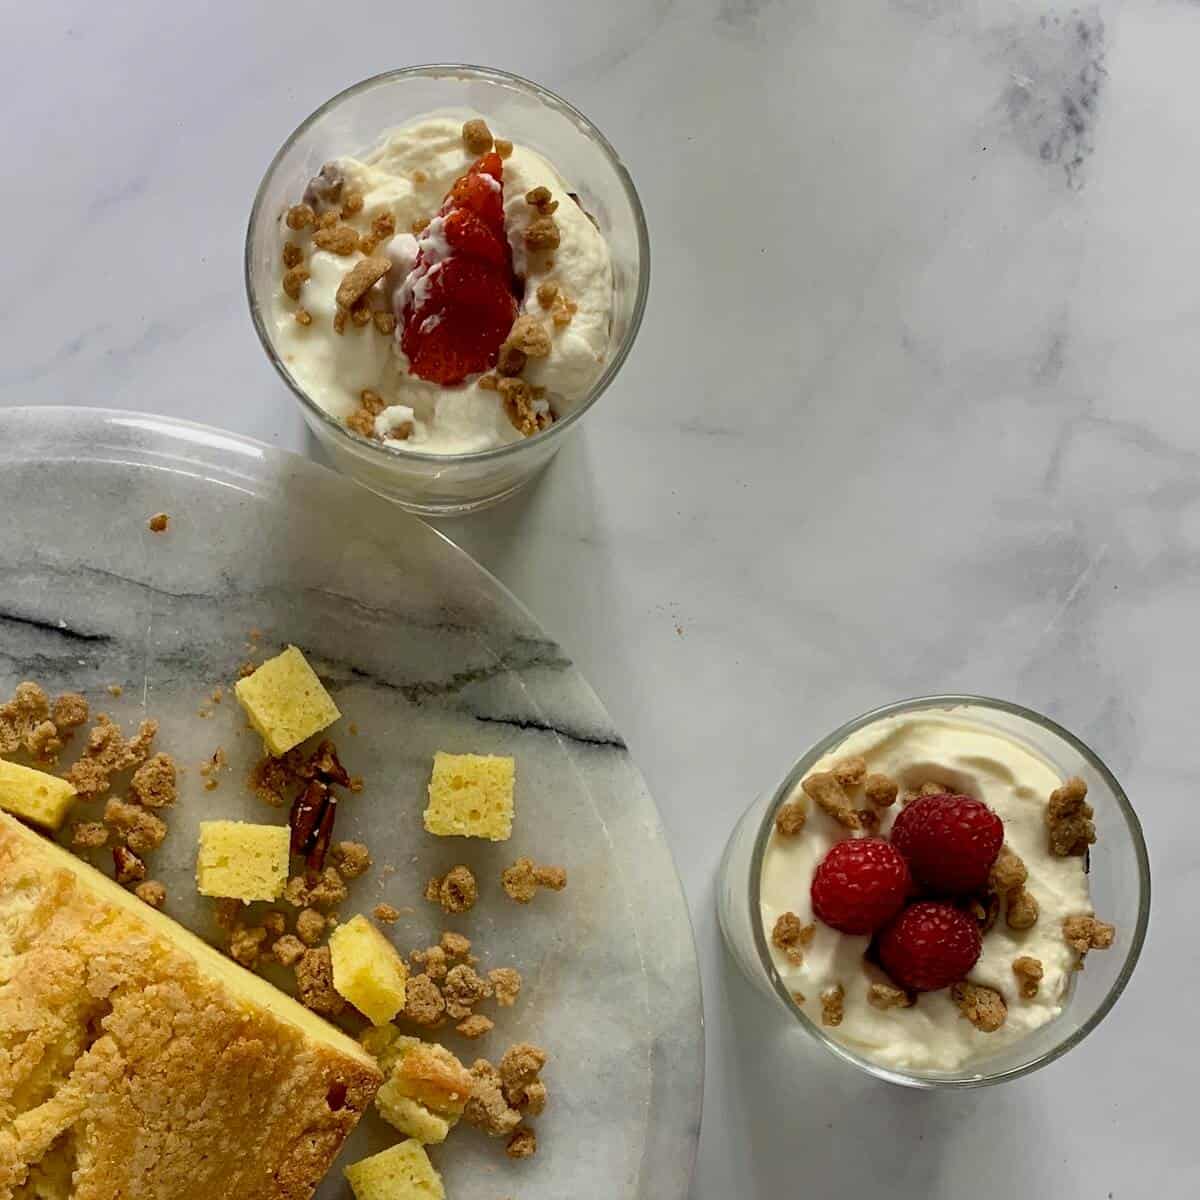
{"x":912,"y":409}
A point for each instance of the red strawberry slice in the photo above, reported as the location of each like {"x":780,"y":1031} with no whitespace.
{"x":458,"y":329}
{"x":481,"y":191}
{"x":469,"y":235}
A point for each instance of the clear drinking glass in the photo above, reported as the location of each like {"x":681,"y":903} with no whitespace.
{"x":353,"y":121}
{"x":1119,"y":879}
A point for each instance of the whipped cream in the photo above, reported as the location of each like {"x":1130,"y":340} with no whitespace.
{"x":408,"y":175}
{"x":972,"y":759}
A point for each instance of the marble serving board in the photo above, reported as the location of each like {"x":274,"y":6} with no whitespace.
{"x":422,"y":650}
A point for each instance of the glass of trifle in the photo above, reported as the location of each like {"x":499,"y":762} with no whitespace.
{"x":926,"y":887}
{"x":447,"y":265}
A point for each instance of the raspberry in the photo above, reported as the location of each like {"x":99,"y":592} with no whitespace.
{"x":929,"y":946}
{"x":860,"y":885}
{"x":458,"y":329}
{"x":950,"y":842}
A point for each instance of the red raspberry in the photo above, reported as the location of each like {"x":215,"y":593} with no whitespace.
{"x":950,"y":842}
{"x":929,"y":946}
{"x":860,"y":884}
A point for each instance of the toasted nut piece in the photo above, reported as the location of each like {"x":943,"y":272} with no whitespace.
{"x":477,"y":137}
{"x":983,"y":1006}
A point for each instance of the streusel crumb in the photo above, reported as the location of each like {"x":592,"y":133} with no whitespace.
{"x":245,"y":944}
{"x":300,"y":216}
{"x":507,"y":984}
{"x":423,"y":1003}
{"x":522,"y":1144}
{"x":456,"y":891}
{"x":542,"y":233}
{"x":21,"y":716}
{"x":850,"y":772}
{"x":1086,"y":933}
{"x":293,"y":256}
{"x":1029,"y":974}
{"x":1008,"y":872}
{"x":1022,"y":909}
{"x":270,"y":781}
{"x":522,"y":880}
{"x":386,"y":914}
{"x":869,"y":820}
{"x":884,"y":996}
{"x":339,"y":239}
{"x":462,"y":990}
{"x":519,"y":1069}
{"x":881,"y":790}
{"x":293,"y":281}
{"x":314,"y":983}
{"x":455,"y":945}
{"x":827,"y":793}
{"x":89,"y":835}
{"x":310,"y":926}
{"x":833,"y":1005}
{"x":385,"y":322}
{"x":70,"y":710}
{"x":288,"y":950}
{"x":487,"y":1109}
{"x":142,"y":830}
{"x":352,"y":859}
{"x":791,"y":817}
{"x":475,"y":1026}
{"x":303,"y":317}
{"x":547,"y":293}
{"x":151,"y":892}
{"x":477,"y":137}
{"x":153,"y":783}
{"x":1069,"y":820}
{"x":530,"y":336}
{"x":983,"y":1006}
{"x":352,"y":204}
{"x":504,"y":147}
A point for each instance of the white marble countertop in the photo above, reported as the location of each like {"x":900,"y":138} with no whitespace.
{"x":912,"y":410}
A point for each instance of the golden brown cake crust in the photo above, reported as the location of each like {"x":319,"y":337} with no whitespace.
{"x":128,"y":1059}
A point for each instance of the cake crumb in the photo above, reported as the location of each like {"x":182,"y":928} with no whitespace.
{"x":825,"y":790}
{"x":881,"y":790}
{"x":1022,"y":909}
{"x":160,"y":521}
{"x":1069,"y":820}
{"x":884,"y":996}
{"x":1029,"y":972}
{"x":423,"y":1003}
{"x":983,"y":1006}
{"x":314,"y":983}
{"x":89,"y":835}
{"x":850,"y":772}
{"x":456,"y":891}
{"x":1008,"y":872}
{"x":833,"y":1005}
{"x":151,"y":892}
{"x":288,"y":950}
{"x":352,"y":859}
{"x":522,"y":1144}
{"x":310,"y":926}
{"x":506,"y":981}
{"x":475,"y":1026}
{"x":791,"y":817}
{"x":386,"y":914}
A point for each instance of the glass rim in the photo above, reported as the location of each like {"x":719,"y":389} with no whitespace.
{"x":616,"y":359}
{"x":930,"y":1081}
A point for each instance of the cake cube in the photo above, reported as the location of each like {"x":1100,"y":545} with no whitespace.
{"x":240,"y":861}
{"x":429,"y":1074}
{"x":35,"y":796}
{"x":367,"y":970}
{"x":286,"y":702}
{"x":411,"y":1118}
{"x":471,"y":795}
{"x":402,"y":1172}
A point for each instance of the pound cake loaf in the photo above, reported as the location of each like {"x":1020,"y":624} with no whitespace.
{"x":138,"y":1063}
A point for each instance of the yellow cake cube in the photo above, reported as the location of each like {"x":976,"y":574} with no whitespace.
{"x":367,"y":970}
{"x":240,"y":861}
{"x":426,"y":1088}
{"x":43,"y":799}
{"x":471,"y":795}
{"x":286,"y":702}
{"x":402,"y":1172}
{"x":411,"y":1117}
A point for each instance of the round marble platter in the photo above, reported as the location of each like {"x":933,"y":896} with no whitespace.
{"x":422,"y":650}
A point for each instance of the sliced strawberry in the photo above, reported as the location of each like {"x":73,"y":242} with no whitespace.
{"x":469,"y":236}
{"x":457,"y":330}
{"x":480,"y":191}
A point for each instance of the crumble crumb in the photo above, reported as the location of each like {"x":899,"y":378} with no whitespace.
{"x":275,"y":923}
{"x":477,"y":137}
{"x":1022,"y":909}
{"x":295,"y":891}
{"x":89,"y":835}
{"x":984,"y":908}
{"x":352,"y":204}
{"x":423,"y":1003}
{"x":542,"y":233}
{"x":359,"y":280}
{"x":518,"y":400}
{"x":520,"y":1068}
{"x":791,"y":817}
{"x":383,"y":226}
{"x":462,"y":990}
{"x":869,"y":820}
{"x":511,"y":361}
{"x":789,"y":935}
{"x":504,"y":147}
{"x":129,"y":868}
{"x":300,"y":216}
{"x":303,"y":317}
{"x":489,"y":382}
{"x":245,"y":944}
{"x":823,"y":788}
{"x":799,"y":997}
{"x":431,"y":960}
{"x":293,"y":281}
{"x":44,"y":742}
{"x":564,"y":311}
{"x":1086,"y":933}
{"x":108,"y":753}
{"x":386,"y":914}
{"x":983,"y":1006}
{"x":456,"y":891}
{"x":547,"y":293}
{"x":1008,"y":872}
{"x":352,"y":859}
{"x":153,"y":783}
{"x":880,"y":790}
{"x":328,"y":890}
{"x":288,"y":950}
{"x":487,"y":1109}
{"x":70,"y":711}
{"x":270,"y":780}
{"x":522,"y":1144}
{"x":21,"y":716}
{"x":884,"y":996}
{"x":385,"y":322}
{"x":507,"y":984}
{"x":537,"y":197}
{"x":341,"y":240}
{"x":360,"y":314}
{"x":151,"y":892}
{"x":475,"y":1026}
{"x":529,"y":336}
{"x":1029,"y":972}
{"x":522,"y":880}
{"x":374,"y":403}
{"x":314,"y":983}
{"x":833,"y":1005}
{"x":142,"y":830}
{"x":361,"y":422}
{"x":1069,"y":820}
{"x":339,"y":324}
{"x":327,"y":220}
{"x":310,"y":926}
{"x":850,"y":772}
{"x":227,"y":913}
{"x":455,"y":945}
{"x":293,"y":256}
